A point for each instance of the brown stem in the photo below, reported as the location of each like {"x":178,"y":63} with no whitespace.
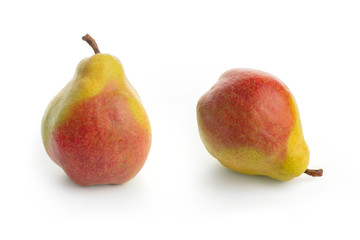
{"x":87,"y":38}
{"x":314,"y":172}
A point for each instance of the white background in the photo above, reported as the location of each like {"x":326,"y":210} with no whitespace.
{"x":172,"y":53}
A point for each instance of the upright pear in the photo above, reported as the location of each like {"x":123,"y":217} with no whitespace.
{"x":96,"y":129}
{"x":250,"y":122}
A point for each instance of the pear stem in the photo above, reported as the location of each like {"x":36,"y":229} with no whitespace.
{"x":314,"y":172}
{"x":87,"y":38}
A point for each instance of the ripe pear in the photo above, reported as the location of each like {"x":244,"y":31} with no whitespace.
{"x":250,"y":122}
{"x":96,"y":128}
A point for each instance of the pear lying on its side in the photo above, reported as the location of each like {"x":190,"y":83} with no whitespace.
{"x":96,"y":128}
{"x":250,"y":122}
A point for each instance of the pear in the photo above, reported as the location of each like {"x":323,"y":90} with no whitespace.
{"x":96,"y":128}
{"x":250,"y":122}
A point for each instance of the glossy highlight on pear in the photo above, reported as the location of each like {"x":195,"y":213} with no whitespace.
{"x":96,"y":129}
{"x":250,"y":122}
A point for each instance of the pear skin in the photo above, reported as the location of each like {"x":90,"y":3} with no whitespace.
{"x":250,"y":122}
{"x":96,"y":129}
